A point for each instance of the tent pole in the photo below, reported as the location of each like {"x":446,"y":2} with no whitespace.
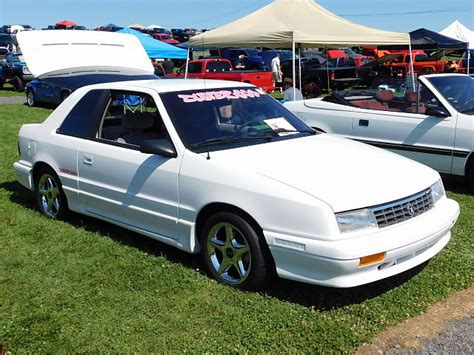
{"x":468,"y":60}
{"x":327,"y":69}
{"x":187,"y":62}
{"x":299,"y":66}
{"x":412,"y":70}
{"x":294,"y":67}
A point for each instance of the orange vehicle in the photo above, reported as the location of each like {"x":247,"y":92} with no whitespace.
{"x":221,"y":69}
{"x":399,"y":62}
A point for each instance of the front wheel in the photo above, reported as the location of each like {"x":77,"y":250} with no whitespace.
{"x":232,"y":252}
{"x":470,"y":177}
{"x":30,"y":98}
{"x":50,"y":197}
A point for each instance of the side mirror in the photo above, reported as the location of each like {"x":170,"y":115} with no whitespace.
{"x":436,"y":111}
{"x":161,"y":147}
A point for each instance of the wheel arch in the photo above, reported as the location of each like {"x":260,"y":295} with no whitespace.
{"x":37,"y":167}
{"x":215,"y":207}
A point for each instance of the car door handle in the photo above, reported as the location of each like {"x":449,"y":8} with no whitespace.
{"x":364,"y":123}
{"x":87,"y":160}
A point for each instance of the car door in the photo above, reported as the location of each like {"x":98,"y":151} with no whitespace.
{"x":419,"y":135}
{"x":122,"y":184}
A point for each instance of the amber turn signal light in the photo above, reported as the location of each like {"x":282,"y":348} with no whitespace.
{"x":371,"y":259}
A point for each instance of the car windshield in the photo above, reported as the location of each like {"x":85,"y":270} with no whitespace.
{"x":216,"y":119}
{"x":458,"y":90}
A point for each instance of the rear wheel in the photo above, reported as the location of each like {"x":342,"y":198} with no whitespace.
{"x":50,"y":197}
{"x":30,"y":98}
{"x":18,"y":84}
{"x":232,"y":252}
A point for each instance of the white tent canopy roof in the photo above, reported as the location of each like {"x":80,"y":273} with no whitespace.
{"x":283,"y":22}
{"x":154,"y":26}
{"x":459,"y":31}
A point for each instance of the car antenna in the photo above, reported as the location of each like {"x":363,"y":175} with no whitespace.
{"x":208,"y":157}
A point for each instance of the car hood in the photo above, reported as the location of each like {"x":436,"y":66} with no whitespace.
{"x":345,"y":174}
{"x":59,"y":51}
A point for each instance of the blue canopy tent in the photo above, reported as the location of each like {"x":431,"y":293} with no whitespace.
{"x":155,"y":48}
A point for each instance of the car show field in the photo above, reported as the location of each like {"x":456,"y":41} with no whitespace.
{"x":257,"y":184}
{"x":86,"y":285}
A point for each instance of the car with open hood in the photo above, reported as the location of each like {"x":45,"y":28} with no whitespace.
{"x":222,"y":169}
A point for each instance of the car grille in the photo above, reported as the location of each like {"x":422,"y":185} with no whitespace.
{"x":402,"y":210}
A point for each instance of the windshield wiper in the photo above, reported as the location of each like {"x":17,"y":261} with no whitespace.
{"x":226,"y":139}
{"x":286,"y":130}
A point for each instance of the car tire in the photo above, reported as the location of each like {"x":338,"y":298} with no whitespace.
{"x":50,"y":197}
{"x":64,"y":95}
{"x":470,"y":177}
{"x":232,"y":252}
{"x":18,"y":84}
{"x":30,"y":98}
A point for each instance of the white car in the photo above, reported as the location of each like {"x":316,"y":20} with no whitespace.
{"x":223,"y":169}
{"x":434,"y":125}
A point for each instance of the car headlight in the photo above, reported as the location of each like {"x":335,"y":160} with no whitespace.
{"x":26,"y":70}
{"x":356,"y":220}
{"x":437,"y":191}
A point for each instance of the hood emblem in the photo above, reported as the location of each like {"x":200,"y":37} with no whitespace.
{"x":410,"y":209}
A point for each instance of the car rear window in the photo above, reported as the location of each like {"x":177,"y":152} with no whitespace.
{"x":83,"y":119}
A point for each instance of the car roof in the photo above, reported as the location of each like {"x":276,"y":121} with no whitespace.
{"x":172,"y":85}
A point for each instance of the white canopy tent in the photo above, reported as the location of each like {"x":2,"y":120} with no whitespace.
{"x":459,"y":31}
{"x":287,"y":23}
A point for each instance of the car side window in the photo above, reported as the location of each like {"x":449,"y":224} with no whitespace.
{"x":83,"y":119}
{"x":427,"y":99}
{"x":194,"y":67}
{"x":129,"y":119}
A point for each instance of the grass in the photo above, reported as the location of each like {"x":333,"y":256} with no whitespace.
{"x":8,"y":91}
{"x":84,"y":285}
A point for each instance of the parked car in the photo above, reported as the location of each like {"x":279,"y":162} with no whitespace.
{"x":398,"y":63}
{"x":269,"y":54}
{"x":433,"y":125}
{"x":463,"y":63}
{"x":221,"y":69}
{"x":164,"y":37}
{"x":253,"y":59}
{"x":321,"y":73}
{"x":15,"y":71}
{"x":40,"y":91}
{"x":215,"y":166}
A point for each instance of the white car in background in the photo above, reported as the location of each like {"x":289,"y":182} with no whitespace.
{"x":223,"y":169}
{"x":434,"y":125}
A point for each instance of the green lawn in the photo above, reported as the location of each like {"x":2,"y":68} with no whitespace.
{"x":7,"y":91}
{"x":87,"y":286}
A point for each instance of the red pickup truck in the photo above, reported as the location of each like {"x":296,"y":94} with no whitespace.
{"x":221,"y":69}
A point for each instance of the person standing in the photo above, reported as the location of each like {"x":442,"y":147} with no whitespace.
{"x":168,"y":66}
{"x":276,"y":70}
{"x":291,"y":93}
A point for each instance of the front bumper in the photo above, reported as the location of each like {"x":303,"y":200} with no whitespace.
{"x":336,"y":263}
